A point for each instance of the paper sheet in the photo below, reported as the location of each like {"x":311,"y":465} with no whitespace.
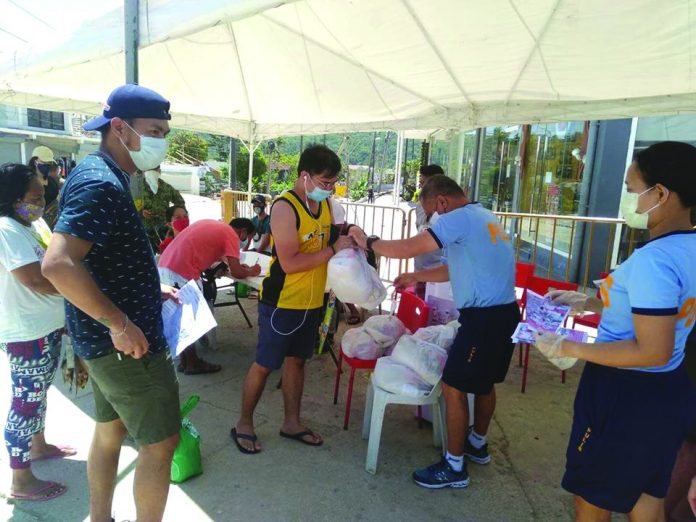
{"x":544,"y":316}
{"x":184,"y":324}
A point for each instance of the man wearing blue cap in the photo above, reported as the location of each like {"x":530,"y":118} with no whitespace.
{"x":101,"y":261}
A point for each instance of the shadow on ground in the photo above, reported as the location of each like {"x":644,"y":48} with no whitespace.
{"x":290,"y":481}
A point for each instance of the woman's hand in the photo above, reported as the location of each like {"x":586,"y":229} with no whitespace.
{"x":551,"y":346}
{"x":576,"y":300}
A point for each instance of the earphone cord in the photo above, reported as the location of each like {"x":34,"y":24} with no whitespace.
{"x":311,"y":287}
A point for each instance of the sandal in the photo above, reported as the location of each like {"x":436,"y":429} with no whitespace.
{"x":353,"y":319}
{"x":202,"y":368}
{"x":60,"y":453}
{"x":236,"y":436}
{"x":300,"y":437}
{"x":50,"y":491}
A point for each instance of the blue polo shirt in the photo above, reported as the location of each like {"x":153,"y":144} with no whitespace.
{"x":658,"y":279}
{"x":96,"y":205}
{"x":479,"y":256}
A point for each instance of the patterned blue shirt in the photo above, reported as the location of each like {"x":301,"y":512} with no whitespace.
{"x":97,"y":206}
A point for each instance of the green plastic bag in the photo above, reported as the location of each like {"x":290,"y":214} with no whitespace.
{"x":187,"y":456}
{"x":242,"y":290}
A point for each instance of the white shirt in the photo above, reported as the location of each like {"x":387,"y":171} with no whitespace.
{"x":338,"y":213}
{"x":25,"y":315}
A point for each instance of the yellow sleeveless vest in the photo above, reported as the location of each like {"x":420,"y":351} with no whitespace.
{"x":302,"y":290}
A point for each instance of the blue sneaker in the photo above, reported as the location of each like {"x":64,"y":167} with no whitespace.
{"x":477,"y":455}
{"x":441,"y":475}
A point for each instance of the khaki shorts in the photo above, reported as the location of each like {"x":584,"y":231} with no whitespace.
{"x":143,"y":393}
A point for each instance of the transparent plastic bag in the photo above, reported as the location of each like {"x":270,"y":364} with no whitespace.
{"x":353,"y":280}
{"x":359,"y":344}
{"x":424,"y":358}
{"x":397,"y":378}
{"x":385,"y":329}
{"x":442,"y":335}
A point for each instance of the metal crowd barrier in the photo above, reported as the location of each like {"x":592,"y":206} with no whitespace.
{"x":568,"y":248}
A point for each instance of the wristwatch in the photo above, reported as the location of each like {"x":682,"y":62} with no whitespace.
{"x":371,"y":240}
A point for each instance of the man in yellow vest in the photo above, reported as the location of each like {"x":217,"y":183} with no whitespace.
{"x":292,"y":293}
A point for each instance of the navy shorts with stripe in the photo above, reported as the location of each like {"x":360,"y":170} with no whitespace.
{"x":481,"y":352}
{"x":286,"y":333}
{"x":627,"y":428}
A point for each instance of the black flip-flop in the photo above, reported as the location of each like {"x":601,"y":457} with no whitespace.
{"x":299,"y":437}
{"x":206,"y":368}
{"x":252,"y":438}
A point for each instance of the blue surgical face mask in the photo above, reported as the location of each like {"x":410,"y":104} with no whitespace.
{"x":317,"y":194}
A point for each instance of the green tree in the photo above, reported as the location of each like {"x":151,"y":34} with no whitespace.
{"x":259,"y":169}
{"x":186,"y":144}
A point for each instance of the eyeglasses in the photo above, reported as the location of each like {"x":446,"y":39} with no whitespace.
{"x":329,"y":185}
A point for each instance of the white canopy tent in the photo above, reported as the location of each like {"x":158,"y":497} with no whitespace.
{"x":255,"y":69}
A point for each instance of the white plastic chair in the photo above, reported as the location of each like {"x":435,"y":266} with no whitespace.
{"x":375,"y":406}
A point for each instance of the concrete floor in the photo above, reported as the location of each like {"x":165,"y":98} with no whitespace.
{"x":289,"y":481}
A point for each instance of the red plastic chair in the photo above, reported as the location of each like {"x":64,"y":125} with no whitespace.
{"x":591,"y":320}
{"x":541,"y":286}
{"x":413,"y":312}
{"x":523,"y":272}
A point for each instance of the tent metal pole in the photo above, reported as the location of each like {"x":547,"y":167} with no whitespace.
{"x":251,"y":147}
{"x":399,"y":164}
{"x":131,"y":39}
{"x":232,"y":181}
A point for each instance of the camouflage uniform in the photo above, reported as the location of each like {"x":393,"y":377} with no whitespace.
{"x":157,"y":204}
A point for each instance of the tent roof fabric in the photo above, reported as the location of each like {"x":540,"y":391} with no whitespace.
{"x":261,"y":68}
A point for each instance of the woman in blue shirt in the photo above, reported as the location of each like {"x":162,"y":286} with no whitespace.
{"x":634,"y":403}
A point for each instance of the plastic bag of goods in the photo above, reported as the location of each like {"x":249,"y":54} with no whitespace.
{"x":442,"y":335}
{"x":426,"y":359}
{"x":359,"y":344}
{"x":385,"y":329}
{"x":397,"y":378}
{"x":353,"y":280}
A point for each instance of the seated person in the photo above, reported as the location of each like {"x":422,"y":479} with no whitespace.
{"x":195,"y":250}
{"x":177,"y":220}
{"x":261,"y":240}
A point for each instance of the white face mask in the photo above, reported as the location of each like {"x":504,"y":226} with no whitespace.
{"x":629,"y":210}
{"x":152,"y":151}
{"x":151,"y":177}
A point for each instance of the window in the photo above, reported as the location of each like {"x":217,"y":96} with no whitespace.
{"x":45,"y":119}
{"x":498,"y":174}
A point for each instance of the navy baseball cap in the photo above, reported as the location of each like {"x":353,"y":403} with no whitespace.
{"x":131,"y":101}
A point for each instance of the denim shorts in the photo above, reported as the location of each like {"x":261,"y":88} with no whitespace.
{"x":286,"y":333}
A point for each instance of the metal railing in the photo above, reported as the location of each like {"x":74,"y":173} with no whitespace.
{"x":387,"y":222}
{"x":236,"y":203}
{"x":568,"y":248}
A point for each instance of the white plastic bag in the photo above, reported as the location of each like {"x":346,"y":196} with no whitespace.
{"x":426,"y":359}
{"x":385,"y":329}
{"x":353,"y":280}
{"x":442,"y":335}
{"x":397,"y":378}
{"x":358,"y":343}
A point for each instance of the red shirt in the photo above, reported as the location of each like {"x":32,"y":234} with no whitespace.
{"x":165,"y":243}
{"x":198,"y":246}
